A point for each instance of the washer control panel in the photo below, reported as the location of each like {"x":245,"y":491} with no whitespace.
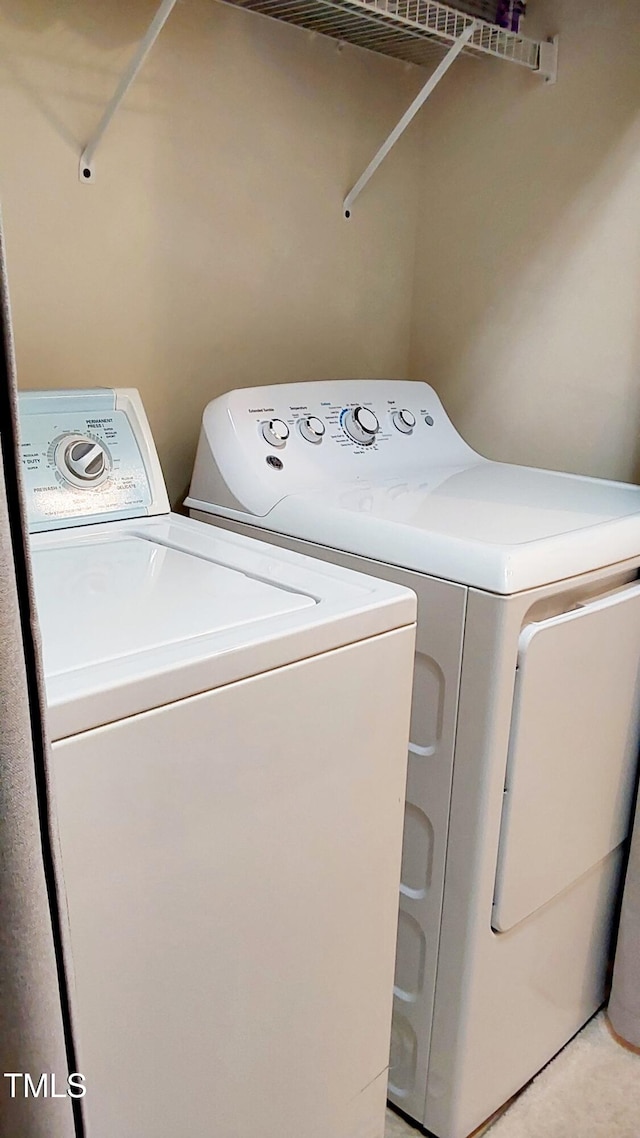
{"x":87,"y":456}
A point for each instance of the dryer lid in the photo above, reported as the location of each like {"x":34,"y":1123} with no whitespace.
{"x":492,"y":503}
{"x":490,"y":525}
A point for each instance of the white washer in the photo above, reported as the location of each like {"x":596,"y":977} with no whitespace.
{"x":229,"y":769}
{"x":524,"y":723}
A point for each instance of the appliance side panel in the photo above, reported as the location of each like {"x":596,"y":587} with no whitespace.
{"x":441,"y":616}
{"x":231,"y":865}
{"x":441,"y":622}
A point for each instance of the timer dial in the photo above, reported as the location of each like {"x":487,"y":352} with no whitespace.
{"x":82,"y":461}
{"x":361,"y":425}
{"x":275,"y":432}
{"x":312,"y":429}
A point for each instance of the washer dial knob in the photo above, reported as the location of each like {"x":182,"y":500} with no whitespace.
{"x":312,"y":429}
{"x":275,"y":432}
{"x":361,"y":425}
{"x":82,"y":461}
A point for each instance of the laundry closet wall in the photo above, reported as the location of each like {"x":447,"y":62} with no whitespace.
{"x":211,"y":250}
{"x":527,"y":290}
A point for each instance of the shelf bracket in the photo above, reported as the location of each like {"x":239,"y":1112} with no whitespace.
{"x":155,"y":27}
{"x":548,"y":60}
{"x":410,"y":113}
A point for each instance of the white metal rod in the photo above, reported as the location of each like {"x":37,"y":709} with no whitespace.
{"x":153,"y":31}
{"x":409,"y":114}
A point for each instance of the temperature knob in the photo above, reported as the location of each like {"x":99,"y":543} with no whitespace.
{"x":275,"y":432}
{"x":404,"y":420}
{"x":361,"y":425}
{"x":312,"y":429}
{"x":82,"y":461}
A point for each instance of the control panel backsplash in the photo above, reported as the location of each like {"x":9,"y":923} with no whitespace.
{"x":271,"y":441}
{"x":85,"y":458}
{"x":358,"y":423}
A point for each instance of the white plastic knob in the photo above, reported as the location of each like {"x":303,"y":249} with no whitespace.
{"x":404,"y":421}
{"x":312,"y":429}
{"x":86,"y":459}
{"x":361,"y":424}
{"x":82,"y":461}
{"x":275,"y":432}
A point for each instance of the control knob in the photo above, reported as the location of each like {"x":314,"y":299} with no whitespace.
{"x":82,"y":461}
{"x":275,"y":432}
{"x":361,"y":425}
{"x":312,"y":429}
{"x":404,"y":421}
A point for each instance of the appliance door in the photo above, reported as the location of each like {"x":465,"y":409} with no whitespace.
{"x":231,"y":863}
{"x":572,"y":751}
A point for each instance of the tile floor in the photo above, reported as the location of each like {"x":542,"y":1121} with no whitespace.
{"x":396,"y":1127}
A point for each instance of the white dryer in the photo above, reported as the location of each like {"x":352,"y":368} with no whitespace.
{"x":229,"y":727}
{"x":525,"y":706}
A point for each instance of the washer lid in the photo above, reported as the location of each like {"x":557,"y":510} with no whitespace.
{"x":491,"y":525}
{"x":135,"y":615}
{"x":103,"y":601}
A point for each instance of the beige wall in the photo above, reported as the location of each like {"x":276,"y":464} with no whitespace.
{"x":527,"y":290}
{"x":211,"y":251}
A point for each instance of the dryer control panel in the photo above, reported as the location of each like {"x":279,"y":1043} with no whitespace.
{"x":260,"y":444}
{"x":346,"y":413}
{"x":88,"y":456}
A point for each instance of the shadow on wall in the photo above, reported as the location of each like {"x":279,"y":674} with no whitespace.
{"x":62,"y":32}
{"x":527,"y":288}
{"x":211,"y":250}
{"x":126,"y":21}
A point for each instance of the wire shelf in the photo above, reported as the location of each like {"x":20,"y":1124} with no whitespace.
{"x":416,"y":31}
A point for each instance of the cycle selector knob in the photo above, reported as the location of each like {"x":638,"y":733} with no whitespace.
{"x":83,"y":461}
{"x":404,"y":421}
{"x":312,"y":429}
{"x":275,"y":432}
{"x":361,"y":425}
